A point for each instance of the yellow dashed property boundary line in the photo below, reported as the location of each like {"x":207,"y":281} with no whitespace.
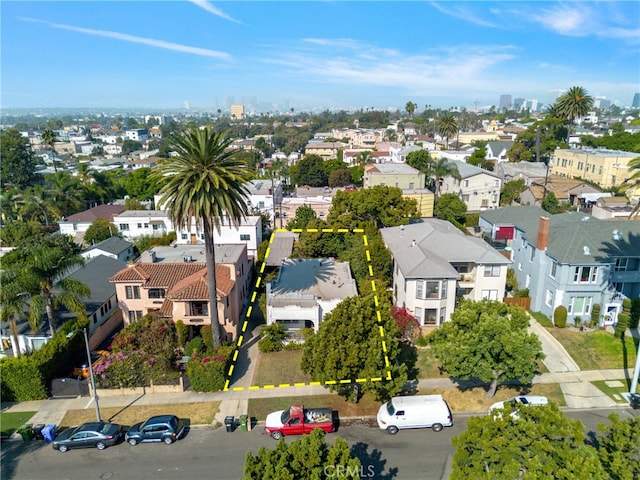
{"x":254,"y":294}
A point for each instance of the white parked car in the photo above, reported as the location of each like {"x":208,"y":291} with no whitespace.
{"x":515,"y":402}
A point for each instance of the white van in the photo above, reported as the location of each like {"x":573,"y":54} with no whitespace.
{"x":420,"y":411}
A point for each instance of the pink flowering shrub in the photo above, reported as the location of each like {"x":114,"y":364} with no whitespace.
{"x":208,"y":372}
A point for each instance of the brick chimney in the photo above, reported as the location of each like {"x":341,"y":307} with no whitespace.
{"x":543,"y":233}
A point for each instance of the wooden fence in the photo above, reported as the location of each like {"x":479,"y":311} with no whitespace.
{"x":523,"y":302}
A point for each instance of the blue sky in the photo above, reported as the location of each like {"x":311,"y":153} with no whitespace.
{"x":304,"y":54}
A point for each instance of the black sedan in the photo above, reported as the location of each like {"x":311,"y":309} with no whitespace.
{"x":92,"y":434}
{"x":160,"y":428}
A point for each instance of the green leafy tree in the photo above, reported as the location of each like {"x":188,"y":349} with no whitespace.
{"x":204,"y":181}
{"x":540,"y":444}
{"x":550,"y":203}
{"x":511,"y":191}
{"x":43,"y":266}
{"x":477,"y":158}
{"x":99,"y":230}
{"x":448,"y":127}
{"x":619,"y":447}
{"x":382,"y":205}
{"x":422,"y":161}
{"x":333,"y":164}
{"x":307,"y":458}
{"x":487,"y":340}
{"x":17,"y":163}
{"x":133,"y":204}
{"x":310,"y":171}
{"x":304,"y":215}
{"x":130,"y":146}
{"x":348,"y":346}
{"x":49,"y":139}
{"x":410,"y":107}
{"x":340,"y":178}
{"x":140,"y":185}
{"x":449,"y":207}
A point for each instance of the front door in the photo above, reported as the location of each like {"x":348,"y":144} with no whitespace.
{"x":193,"y":239}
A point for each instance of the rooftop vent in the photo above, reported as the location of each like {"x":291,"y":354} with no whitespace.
{"x":586,"y":250}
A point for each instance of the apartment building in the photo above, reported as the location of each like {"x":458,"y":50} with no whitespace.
{"x":398,"y":175}
{"x":607,"y":168}
{"x":479,"y":189}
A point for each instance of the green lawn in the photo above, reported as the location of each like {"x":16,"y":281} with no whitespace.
{"x":598,"y":350}
{"x":614,"y":392}
{"x":275,"y":368}
{"x":11,"y":421}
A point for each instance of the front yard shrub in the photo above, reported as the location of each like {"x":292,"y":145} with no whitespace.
{"x":272,"y":337}
{"x":622,"y":325}
{"x":207,"y":336}
{"x":182,"y":331}
{"x":207,"y":373}
{"x":124,"y":370}
{"x":560,"y":317}
{"x":21,"y":380}
{"x":195,"y":345}
{"x":635,"y":313}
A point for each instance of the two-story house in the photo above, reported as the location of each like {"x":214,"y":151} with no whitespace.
{"x":398,"y":175}
{"x":575,"y":260}
{"x":265,"y":195}
{"x":78,"y":223}
{"x":497,"y":151}
{"x":434,"y":262}
{"x":479,"y":189}
{"x":113,"y":247}
{"x":173,"y":283}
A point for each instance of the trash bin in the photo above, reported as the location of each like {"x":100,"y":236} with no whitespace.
{"x":243,"y":423}
{"x":230,"y":423}
{"x":36,"y":431}
{"x":635,"y":401}
{"x":25,"y":432}
{"x":49,"y":432}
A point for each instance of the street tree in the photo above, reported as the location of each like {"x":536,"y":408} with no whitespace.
{"x":442,"y":168}
{"x":207,"y":183}
{"x":49,"y":139}
{"x":487,"y":340}
{"x":340,"y":178}
{"x":540,"y":444}
{"x":382,"y":205}
{"x":348,"y":347}
{"x":449,"y":207}
{"x":448,"y":127}
{"x":42,"y":267}
{"x":619,"y":447}
{"x":307,"y":458}
{"x":99,"y":230}
{"x":511,"y":191}
{"x":310,"y":171}
{"x":17,"y":163}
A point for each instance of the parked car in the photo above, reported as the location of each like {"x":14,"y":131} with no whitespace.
{"x":159,"y":428}
{"x":516,"y":402}
{"x":92,"y":434}
{"x":419,"y":411}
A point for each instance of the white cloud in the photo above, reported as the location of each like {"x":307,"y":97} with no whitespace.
{"x":205,"y":5}
{"x":465,"y":13}
{"x":133,"y":39}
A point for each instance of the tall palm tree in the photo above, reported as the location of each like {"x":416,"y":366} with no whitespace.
{"x":410,"y":107}
{"x":49,"y":139}
{"x":574,"y":103}
{"x":13,"y":305}
{"x":205,"y":181}
{"x":444,"y":168}
{"x":633,"y":182}
{"x":42,"y":268}
{"x":447,"y":126}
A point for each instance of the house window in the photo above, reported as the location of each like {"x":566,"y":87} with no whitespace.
{"x":132,"y":291}
{"x":527,"y":281}
{"x":202,"y":236}
{"x":123,"y":226}
{"x":95,"y":318}
{"x":443,"y":314}
{"x":533,"y":254}
{"x":184,"y":236}
{"x":496,"y":183}
{"x":465,"y":198}
{"x":245,"y":238}
{"x":585,"y":275}
{"x":621,"y":264}
{"x":548,"y":298}
{"x":419,"y":291}
{"x":418,"y":315}
{"x":199,"y":308}
{"x":554,"y":267}
{"x":465,"y":183}
{"x":492,"y":270}
{"x":433,"y":289}
{"x":134,"y":315}
{"x":261,"y":204}
{"x":484,"y":202}
{"x":579,"y":305}
{"x":156,"y":226}
{"x":139,"y":225}
{"x":146,"y":225}
{"x":490,"y":294}
{"x":156,"y":293}
{"x":444,"y":289}
{"x":430,"y":316}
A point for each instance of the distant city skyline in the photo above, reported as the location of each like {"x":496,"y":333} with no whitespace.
{"x":274,"y":56}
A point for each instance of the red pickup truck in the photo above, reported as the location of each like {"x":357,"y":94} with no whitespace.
{"x":298,"y":420}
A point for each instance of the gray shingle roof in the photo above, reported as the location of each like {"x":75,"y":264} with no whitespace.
{"x":115,"y":245}
{"x":95,"y":274}
{"x":511,"y":215}
{"x":466,"y":170}
{"x":437,"y":245}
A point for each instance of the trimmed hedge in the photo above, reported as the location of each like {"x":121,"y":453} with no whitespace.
{"x":560,"y":317}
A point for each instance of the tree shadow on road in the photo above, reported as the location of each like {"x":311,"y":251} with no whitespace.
{"x":373,"y":465}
